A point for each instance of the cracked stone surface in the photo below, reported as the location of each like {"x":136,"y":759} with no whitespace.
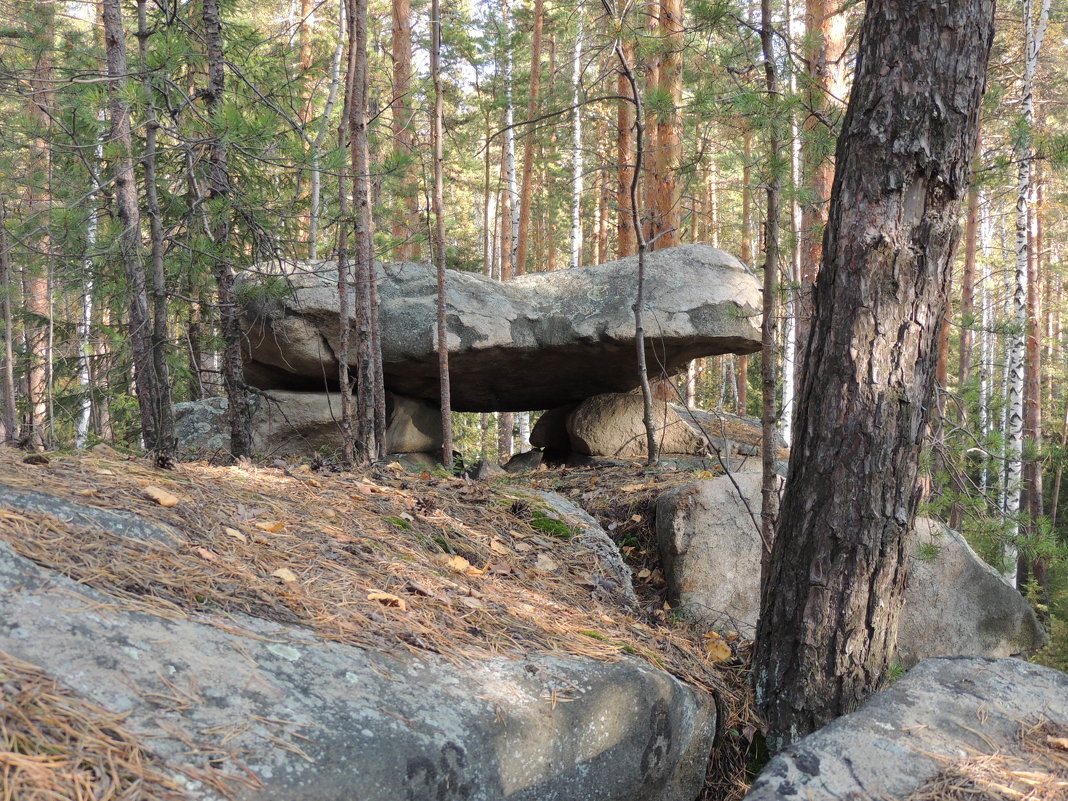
{"x":537,"y":342}
{"x":942,"y":710}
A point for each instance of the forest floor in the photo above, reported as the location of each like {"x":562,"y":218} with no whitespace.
{"x":383,"y":559}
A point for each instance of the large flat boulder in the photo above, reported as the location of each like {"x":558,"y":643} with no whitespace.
{"x":955,"y":604}
{"x":942,"y":711}
{"x":539,"y":341}
{"x":273,"y":712}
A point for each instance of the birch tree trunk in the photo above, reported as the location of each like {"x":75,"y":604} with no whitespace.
{"x":576,"y":152}
{"x":831,"y":598}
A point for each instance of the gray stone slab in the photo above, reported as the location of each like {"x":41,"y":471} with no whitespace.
{"x":944,"y":709}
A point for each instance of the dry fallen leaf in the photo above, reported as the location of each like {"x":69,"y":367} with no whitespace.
{"x":89,"y":493}
{"x":472,"y":603}
{"x":161,"y":496}
{"x":388,"y":599}
{"x":204,"y":553}
{"x":545,"y":564}
{"x":716,"y":648}
{"x":499,"y":547}
{"x":457,"y":563}
{"x":271,"y":526}
{"x":705,"y":474}
{"x":636,"y":518}
{"x":396,"y":467}
{"x":644,"y":573}
{"x":237,"y":535}
{"x":285,"y":574}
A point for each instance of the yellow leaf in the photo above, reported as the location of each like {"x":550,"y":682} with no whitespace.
{"x":285,"y":574}
{"x":271,"y":526}
{"x":204,"y":553}
{"x":457,"y":563}
{"x":237,"y":535}
{"x":89,"y":493}
{"x":716,"y":648}
{"x":636,"y":518}
{"x":396,"y":467}
{"x":161,"y":496}
{"x":705,"y":474}
{"x":644,"y":573}
{"x":388,"y":599}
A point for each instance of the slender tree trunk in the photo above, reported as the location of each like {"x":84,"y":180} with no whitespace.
{"x":528,"y":149}
{"x":10,"y":418}
{"x":219,"y":195}
{"x":825,"y":26}
{"x":39,"y":203}
{"x":315,"y":210}
{"x":1022,"y":292}
{"x":831,"y":598}
{"x":439,"y":231}
{"x":625,"y":239}
{"x":85,"y":326}
{"x":166,"y":441}
{"x":967,"y":285}
{"x":140,"y":324}
{"x":769,"y":485}
{"x":576,"y":152}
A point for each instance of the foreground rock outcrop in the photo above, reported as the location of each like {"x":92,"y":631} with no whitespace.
{"x":943,"y":710}
{"x":274,"y":711}
{"x":537,"y":342}
{"x":955,"y":604}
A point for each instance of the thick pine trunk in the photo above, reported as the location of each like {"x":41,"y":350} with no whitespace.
{"x":665,"y":207}
{"x":831,"y":598}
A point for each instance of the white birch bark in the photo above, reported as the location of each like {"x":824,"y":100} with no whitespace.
{"x":317,"y":146}
{"x":1033,"y":35}
{"x":790,"y":356}
{"x":85,"y":327}
{"x":576,"y":150}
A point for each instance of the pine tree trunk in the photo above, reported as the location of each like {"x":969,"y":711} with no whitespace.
{"x":166,"y":440}
{"x":528,"y":146}
{"x":149,"y":391}
{"x":825,"y":27}
{"x":668,"y":153}
{"x":831,"y":598}
{"x":439,"y":232}
{"x":219,"y":191}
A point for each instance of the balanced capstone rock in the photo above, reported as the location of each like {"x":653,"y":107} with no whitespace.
{"x":536,"y":342}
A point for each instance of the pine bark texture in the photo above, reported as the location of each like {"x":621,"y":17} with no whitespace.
{"x":150,"y":392}
{"x":833,"y":591}
{"x":219,"y":188}
{"x":526,"y":199}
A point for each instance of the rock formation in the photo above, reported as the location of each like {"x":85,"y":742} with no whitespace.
{"x":941,"y":711}
{"x":955,"y":604}
{"x":537,"y":342}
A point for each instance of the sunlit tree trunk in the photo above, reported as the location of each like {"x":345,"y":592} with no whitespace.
{"x":576,"y":152}
{"x":149,"y":391}
{"x":833,"y":592}
{"x":825,"y":36}
{"x":667,"y":153}
{"x":625,"y":242}
{"x":528,"y":139}
{"x":439,"y":231}
{"x":7,"y":380}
